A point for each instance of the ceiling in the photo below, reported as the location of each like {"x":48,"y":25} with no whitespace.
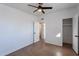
{"x":56,"y":7}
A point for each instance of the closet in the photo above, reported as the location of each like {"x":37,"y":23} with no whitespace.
{"x":67,"y":31}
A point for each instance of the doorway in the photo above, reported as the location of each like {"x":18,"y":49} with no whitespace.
{"x":67,"y":32}
{"x":38,"y":31}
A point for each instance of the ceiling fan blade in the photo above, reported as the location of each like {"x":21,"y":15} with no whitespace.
{"x":35,"y":10}
{"x":43,"y":11}
{"x":33,"y":6}
{"x":46,"y":7}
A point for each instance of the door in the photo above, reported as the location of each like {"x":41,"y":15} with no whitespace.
{"x":75,"y":33}
{"x":36,"y":29}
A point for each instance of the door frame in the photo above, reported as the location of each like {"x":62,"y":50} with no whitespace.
{"x":63,"y":29}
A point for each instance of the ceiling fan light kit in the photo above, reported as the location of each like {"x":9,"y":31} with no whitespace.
{"x":39,"y":10}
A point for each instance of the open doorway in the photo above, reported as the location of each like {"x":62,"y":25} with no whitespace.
{"x":67,"y":32}
{"x":39,"y":31}
{"x":42,"y":31}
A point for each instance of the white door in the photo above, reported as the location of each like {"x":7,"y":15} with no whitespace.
{"x":75,"y":33}
{"x":36,"y":27}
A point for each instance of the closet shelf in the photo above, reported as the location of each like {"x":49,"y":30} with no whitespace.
{"x":67,"y":24}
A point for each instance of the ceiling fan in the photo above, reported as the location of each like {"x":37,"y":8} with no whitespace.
{"x":40,"y":8}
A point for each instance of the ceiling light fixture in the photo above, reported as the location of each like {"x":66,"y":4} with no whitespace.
{"x":39,"y":10}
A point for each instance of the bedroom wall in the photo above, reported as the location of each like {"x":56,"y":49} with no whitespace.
{"x":16,"y":29}
{"x":54,"y":25}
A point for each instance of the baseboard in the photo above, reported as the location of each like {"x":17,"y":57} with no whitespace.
{"x":67,"y":43}
{"x":75,"y":52}
{"x":54,"y":44}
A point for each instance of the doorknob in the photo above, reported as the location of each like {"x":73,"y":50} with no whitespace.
{"x":76,"y":35}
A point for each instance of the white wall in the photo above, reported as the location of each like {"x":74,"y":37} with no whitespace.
{"x":54,"y":25}
{"x":16,"y":29}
